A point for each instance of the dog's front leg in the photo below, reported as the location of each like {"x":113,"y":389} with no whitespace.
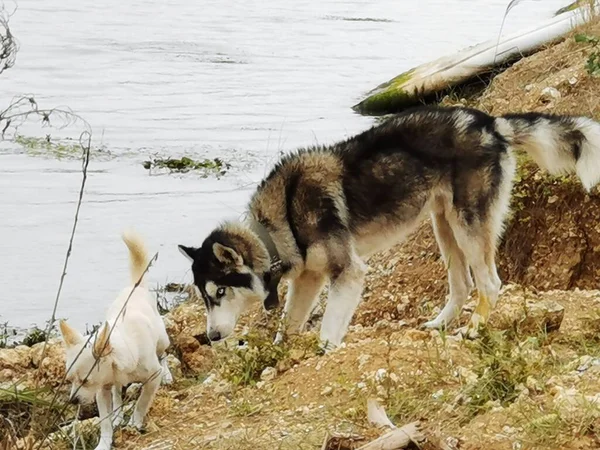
{"x":146,"y":396}
{"x":303,"y":294}
{"x":103,"y":400}
{"x":344,"y":296}
{"x":117,"y":404}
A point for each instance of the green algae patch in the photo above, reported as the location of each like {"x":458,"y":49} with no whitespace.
{"x":572,"y":6}
{"x":55,"y":148}
{"x":388,"y":96}
{"x":185,"y":164}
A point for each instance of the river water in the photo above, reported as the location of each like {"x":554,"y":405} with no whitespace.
{"x":242,"y":81}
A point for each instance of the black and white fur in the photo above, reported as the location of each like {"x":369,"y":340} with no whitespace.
{"x":328,"y":208}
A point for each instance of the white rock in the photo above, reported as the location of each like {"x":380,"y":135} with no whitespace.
{"x":268,"y":374}
{"x":210,"y":379}
{"x":362,"y":360}
{"x":327,"y":391}
{"x":380,"y":375}
{"x":437,"y":395}
{"x":549,"y":94}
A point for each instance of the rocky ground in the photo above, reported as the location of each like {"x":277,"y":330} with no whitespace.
{"x":530,"y":381}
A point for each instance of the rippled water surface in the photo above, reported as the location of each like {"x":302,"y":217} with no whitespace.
{"x":237,"y":80}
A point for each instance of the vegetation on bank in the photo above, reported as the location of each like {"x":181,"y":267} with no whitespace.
{"x":215,"y":166}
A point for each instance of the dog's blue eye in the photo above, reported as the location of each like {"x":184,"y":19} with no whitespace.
{"x":220,"y":292}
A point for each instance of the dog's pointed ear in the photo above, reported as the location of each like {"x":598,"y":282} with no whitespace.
{"x":227,"y":255}
{"x":188,"y":252}
{"x":102,"y":345}
{"x":70,"y":335}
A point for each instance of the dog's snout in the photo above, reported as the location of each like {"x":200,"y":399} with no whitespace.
{"x":214,"y":335}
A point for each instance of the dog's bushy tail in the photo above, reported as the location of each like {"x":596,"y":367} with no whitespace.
{"x":559,"y":144}
{"x":138,"y":255}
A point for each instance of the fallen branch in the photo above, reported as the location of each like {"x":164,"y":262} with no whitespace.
{"x":397,"y":438}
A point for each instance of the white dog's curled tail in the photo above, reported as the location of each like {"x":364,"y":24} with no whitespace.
{"x":559,"y":144}
{"x":138,"y":255}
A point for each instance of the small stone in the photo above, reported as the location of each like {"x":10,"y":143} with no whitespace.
{"x":549,"y":94}
{"x":362,"y":360}
{"x":451,"y":442}
{"x":350,"y":412}
{"x":468,"y":375}
{"x":210,"y":379}
{"x":6,"y":375}
{"x":380,"y":375}
{"x":327,"y":391}
{"x":268,"y":374}
{"x":544,"y":315}
{"x":222,"y":387}
{"x":416,"y":335}
{"x":174,"y":366}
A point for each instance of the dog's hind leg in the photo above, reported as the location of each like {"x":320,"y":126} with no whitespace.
{"x":479,"y":245}
{"x":142,"y":405}
{"x":344,"y":296}
{"x":167,"y":376}
{"x":303,"y":293}
{"x":459,"y":278}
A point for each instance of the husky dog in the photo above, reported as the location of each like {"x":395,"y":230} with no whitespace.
{"x":324,"y":210}
{"x":130,"y":353}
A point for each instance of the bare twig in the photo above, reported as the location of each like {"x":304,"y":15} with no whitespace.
{"x":85,"y":142}
{"x":8,"y":44}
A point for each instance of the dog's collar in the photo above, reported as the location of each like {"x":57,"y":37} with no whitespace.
{"x":276,"y":265}
{"x":272,"y":276}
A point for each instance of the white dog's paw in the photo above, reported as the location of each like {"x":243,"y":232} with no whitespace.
{"x":167,"y":377}
{"x":136,"y":423}
{"x":278,"y":338}
{"x":326,"y":347}
{"x":117,"y":420}
{"x":102,"y":445}
{"x":434,"y":324}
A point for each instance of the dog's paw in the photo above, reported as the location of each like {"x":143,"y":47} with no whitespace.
{"x":278,"y":338}
{"x":117,"y":420}
{"x":434,"y":324}
{"x":468,"y":332}
{"x":167,"y":378}
{"x":326,"y":347}
{"x":136,"y":424}
{"x":103,"y":446}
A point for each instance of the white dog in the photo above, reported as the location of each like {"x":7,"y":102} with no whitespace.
{"x":134,"y":351}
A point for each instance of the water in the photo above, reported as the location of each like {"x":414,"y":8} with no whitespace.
{"x":238,"y":80}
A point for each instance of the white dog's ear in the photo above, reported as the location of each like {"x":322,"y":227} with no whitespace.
{"x":227,"y":255}
{"x":102,"y":345}
{"x":70,"y":335}
{"x":188,"y":252}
